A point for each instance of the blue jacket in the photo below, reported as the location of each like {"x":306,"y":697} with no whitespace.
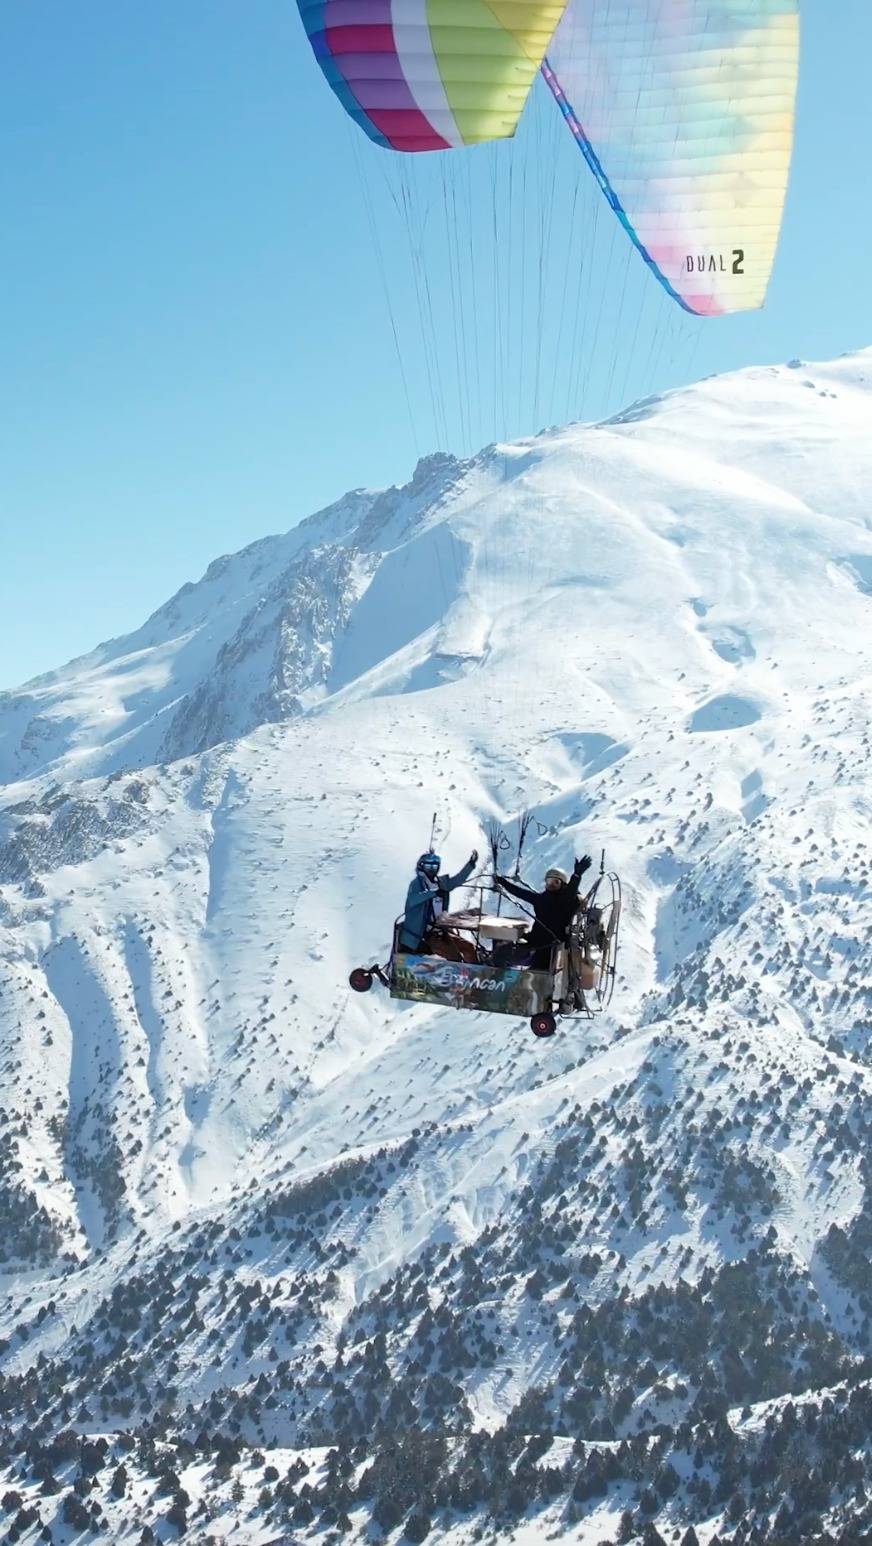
{"x":419,"y":904}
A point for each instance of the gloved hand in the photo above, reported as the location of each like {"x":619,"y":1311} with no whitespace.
{"x":473,"y":858}
{"x":581,"y":865}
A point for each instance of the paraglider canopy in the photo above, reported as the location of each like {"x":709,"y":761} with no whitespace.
{"x":431,"y":77}
{"x":683,"y":111}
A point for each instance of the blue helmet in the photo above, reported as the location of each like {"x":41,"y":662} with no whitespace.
{"x":429,"y":862}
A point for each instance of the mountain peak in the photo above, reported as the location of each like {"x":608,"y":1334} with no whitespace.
{"x":268,"y":633}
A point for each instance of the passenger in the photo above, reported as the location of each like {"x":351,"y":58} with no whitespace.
{"x":426,"y":899}
{"x":552,"y":908}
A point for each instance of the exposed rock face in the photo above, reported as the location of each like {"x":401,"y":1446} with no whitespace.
{"x":67,"y":827}
{"x":279,"y":656}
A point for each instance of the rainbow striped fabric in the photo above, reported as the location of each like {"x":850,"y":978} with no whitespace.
{"x":684,"y":110}
{"x":431,"y":74}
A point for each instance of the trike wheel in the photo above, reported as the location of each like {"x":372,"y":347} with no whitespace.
{"x":543,"y":1025}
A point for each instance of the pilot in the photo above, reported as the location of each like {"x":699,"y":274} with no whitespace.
{"x":426,"y":899}
{"x":552,"y":908}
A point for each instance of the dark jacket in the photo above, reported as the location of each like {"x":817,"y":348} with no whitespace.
{"x":420,"y":897}
{"x":552,"y":910}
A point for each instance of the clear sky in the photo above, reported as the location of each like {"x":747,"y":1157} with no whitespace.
{"x":207,"y":283}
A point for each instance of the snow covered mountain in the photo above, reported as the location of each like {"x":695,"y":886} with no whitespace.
{"x":309,"y":1261}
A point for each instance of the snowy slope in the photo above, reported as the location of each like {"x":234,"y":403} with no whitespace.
{"x":656,"y":633}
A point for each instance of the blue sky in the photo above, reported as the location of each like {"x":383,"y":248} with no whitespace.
{"x":201,"y":332}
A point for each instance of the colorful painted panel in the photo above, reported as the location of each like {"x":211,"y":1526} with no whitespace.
{"x":513,"y":990}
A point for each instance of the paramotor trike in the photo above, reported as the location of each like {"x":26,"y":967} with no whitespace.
{"x":478,"y":959}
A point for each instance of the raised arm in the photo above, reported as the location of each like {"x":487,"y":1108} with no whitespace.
{"x":523,"y":893}
{"x":580,"y":867}
{"x":451,"y":882}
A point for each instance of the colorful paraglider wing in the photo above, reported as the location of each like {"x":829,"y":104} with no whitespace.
{"x":431,"y":74}
{"x":684,"y":111}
